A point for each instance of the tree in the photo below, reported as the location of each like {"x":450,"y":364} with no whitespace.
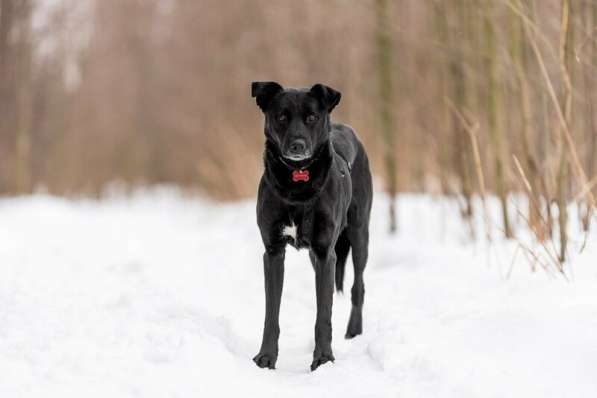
{"x":386,"y":108}
{"x":23,"y":100}
{"x":566,"y":105}
{"x":519,"y":58}
{"x":15,"y":93}
{"x":493,"y":116}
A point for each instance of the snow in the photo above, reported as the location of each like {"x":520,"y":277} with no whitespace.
{"x":161,"y":295}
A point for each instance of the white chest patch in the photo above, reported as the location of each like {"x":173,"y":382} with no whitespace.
{"x":290,"y":230}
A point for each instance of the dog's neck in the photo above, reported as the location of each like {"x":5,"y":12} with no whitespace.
{"x":297,"y":182}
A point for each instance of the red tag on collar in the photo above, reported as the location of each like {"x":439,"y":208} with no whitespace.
{"x":300,"y":175}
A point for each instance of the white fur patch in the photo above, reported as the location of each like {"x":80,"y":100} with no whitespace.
{"x":290,"y":230}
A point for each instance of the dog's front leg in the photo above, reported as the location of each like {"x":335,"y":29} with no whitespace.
{"x":273,"y":266}
{"x":324,"y":262}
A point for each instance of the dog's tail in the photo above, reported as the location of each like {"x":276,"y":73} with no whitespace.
{"x":342,"y":249}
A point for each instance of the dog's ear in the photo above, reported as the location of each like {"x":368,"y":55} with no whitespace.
{"x":264,"y":92}
{"x":327,"y":96}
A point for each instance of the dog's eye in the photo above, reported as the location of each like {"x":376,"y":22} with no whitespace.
{"x":311,"y":118}
{"x":282,"y":118}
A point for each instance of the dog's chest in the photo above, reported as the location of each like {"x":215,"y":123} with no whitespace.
{"x":290,"y":231}
{"x":297,"y":230}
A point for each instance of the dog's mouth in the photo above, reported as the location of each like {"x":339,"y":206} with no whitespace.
{"x":298,"y":157}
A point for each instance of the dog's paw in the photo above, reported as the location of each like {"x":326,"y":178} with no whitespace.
{"x":320,"y":359}
{"x":355,"y":325}
{"x":353,"y":331}
{"x":265,"y":360}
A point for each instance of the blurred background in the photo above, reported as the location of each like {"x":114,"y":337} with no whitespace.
{"x":454,"y":97}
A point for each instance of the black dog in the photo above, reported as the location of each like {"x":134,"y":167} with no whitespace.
{"x":315,"y":193}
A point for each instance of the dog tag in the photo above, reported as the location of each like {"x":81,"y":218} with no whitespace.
{"x":300,"y":175}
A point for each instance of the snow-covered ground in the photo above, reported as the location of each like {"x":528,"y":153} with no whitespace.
{"x":161,"y":295}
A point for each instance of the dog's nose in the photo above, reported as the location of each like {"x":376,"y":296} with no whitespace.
{"x":298,"y":146}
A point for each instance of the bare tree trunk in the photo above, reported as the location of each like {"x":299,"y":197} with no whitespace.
{"x":562,"y":178}
{"x":462,"y":93}
{"x":590,"y":14}
{"x":593,"y":145}
{"x":6,"y":23}
{"x":444,"y":156}
{"x":519,"y":58}
{"x":149,"y":151}
{"x":384,"y":61}
{"x":6,"y":19}
{"x":23,"y":100}
{"x":495,"y":132}
{"x":544,"y":143}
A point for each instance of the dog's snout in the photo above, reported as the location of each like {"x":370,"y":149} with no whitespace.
{"x":298,"y":146}
{"x":297,"y":149}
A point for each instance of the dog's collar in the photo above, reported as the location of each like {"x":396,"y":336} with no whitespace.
{"x":292,"y":167}
{"x":300,"y":172}
{"x":279,"y":174}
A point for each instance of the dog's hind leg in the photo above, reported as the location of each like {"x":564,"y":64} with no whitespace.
{"x":342,"y":249}
{"x":359,"y":240}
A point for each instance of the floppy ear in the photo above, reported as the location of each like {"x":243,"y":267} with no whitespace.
{"x":264,"y":92}
{"x":327,"y":96}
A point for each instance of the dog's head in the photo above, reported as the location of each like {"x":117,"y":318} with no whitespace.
{"x":297,"y":121}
